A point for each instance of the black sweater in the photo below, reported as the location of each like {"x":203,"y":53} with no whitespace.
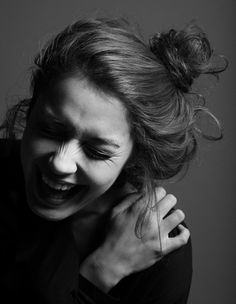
{"x":39,"y":262}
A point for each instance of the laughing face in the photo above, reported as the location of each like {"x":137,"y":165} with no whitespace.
{"x":75,"y":145}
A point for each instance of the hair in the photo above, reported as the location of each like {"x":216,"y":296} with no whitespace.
{"x":154,"y":80}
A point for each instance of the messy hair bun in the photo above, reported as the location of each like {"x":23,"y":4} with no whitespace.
{"x":186,"y":55}
{"x":152,"y":79}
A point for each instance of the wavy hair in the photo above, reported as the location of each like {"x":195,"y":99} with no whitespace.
{"x":152,"y":79}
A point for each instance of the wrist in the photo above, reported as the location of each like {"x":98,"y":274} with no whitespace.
{"x":100,"y":271}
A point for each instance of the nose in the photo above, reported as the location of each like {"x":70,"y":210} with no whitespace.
{"x":63,"y":160}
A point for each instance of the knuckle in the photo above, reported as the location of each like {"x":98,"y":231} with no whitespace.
{"x":187,"y":233}
{"x":185,"y":236}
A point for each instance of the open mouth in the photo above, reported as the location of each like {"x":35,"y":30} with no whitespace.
{"x":55,"y":193}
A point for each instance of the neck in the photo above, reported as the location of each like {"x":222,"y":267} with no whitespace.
{"x":89,"y":228}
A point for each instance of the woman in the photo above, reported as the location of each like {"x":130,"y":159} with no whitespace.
{"x":109,"y":117}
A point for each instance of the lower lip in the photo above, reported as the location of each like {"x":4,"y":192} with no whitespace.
{"x":51,"y":198}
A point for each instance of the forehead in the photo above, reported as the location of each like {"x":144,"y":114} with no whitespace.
{"x":86,"y":109}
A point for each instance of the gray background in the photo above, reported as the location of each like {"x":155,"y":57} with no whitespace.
{"x":206,"y":194}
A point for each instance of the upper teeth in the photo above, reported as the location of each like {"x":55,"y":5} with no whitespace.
{"x":55,"y":185}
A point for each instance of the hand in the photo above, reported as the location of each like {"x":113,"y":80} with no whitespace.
{"x":123,"y":252}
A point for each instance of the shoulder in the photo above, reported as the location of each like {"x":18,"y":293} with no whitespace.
{"x":167,"y":281}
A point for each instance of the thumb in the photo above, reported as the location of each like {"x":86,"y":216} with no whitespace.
{"x":126,"y":202}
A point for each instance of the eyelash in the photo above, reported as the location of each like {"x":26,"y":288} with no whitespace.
{"x":95,"y":154}
{"x":90,"y":151}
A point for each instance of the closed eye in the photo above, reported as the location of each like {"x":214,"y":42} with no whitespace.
{"x":95,"y":153}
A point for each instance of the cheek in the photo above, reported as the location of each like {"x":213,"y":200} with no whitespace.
{"x":32,"y":148}
{"x":103,"y":175}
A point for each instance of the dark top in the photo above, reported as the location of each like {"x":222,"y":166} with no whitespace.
{"x":39,"y":262}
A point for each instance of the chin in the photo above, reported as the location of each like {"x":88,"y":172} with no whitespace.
{"x":52,"y":215}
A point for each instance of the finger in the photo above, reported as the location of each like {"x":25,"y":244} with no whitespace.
{"x":177,"y":241}
{"x":126,"y":203}
{"x":172,"y":221}
{"x":166,"y":204}
{"x":183,"y":237}
{"x":160,"y":193}
{"x":158,"y":210}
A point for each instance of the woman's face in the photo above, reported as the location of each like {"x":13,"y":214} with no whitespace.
{"x":76,"y":143}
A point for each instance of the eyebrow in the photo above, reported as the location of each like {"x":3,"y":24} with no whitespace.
{"x":91,"y":137}
{"x":103,"y":141}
